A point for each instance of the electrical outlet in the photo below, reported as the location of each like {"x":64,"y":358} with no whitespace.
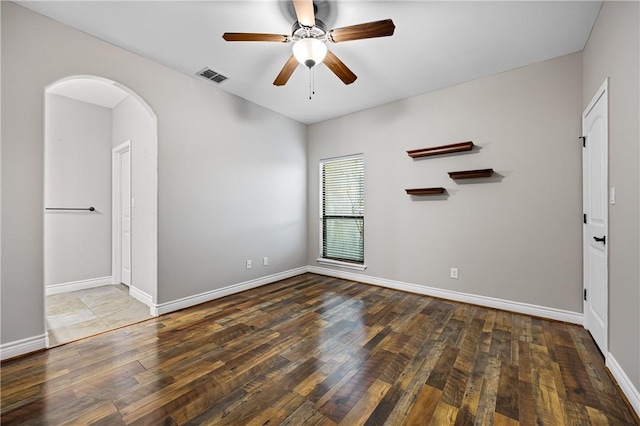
{"x":265,"y":261}
{"x":248,"y":264}
{"x":454,"y":273}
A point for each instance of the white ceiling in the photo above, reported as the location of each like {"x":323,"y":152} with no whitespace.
{"x":90,"y":90}
{"x":436,"y":44}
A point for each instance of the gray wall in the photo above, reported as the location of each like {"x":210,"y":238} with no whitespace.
{"x":231,"y":175}
{"x":516,"y":237}
{"x":613,"y":51}
{"x":131,"y":121}
{"x":77,"y":174}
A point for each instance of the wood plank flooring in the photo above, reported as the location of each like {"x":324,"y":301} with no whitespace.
{"x":313,"y":350}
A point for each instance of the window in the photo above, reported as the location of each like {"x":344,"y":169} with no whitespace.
{"x":342,"y":210}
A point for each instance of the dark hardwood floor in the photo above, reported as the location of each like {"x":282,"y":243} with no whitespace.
{"x":318,"y":350}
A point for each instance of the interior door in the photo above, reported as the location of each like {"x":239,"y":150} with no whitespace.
{"x":121,"y":214}
{"x":125,"y":211}
{"x":595,"y":188}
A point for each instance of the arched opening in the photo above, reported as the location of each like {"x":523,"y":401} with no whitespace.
{"x":100,"y":197}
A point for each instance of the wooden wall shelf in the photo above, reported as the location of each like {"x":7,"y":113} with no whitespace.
{"x":426,"y":191}
{"x":470,"y":174}
{"x":439,"y":150}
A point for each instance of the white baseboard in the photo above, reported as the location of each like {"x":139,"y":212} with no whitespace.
{"x":23,"y":346}
{"x":629,"y":390}
{"x":143,"y":297}
{"x":77,"y":285}
{"x":490,"y":302}
{"x":186,"y":302}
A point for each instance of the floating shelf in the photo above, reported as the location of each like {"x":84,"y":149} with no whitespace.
{"x":470,"y":174}
{"x":439,"y":150}
{"x":426,"y":191}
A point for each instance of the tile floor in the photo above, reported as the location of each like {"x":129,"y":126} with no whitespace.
{"x":78,"y":314}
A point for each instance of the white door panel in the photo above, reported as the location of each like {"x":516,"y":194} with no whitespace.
{"x":126,"y":216}
{"x":121,"y":214}
{"x":595,"y":191}
{"x":597,"y":273}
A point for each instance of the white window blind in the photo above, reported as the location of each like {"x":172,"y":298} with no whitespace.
{"x":342,"y":209}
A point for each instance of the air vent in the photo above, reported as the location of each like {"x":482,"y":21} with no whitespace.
{"x":212,"y":75}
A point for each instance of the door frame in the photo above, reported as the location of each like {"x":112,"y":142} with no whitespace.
{"x":601,"y":93}
{"x":116,"y":211}
{"x":149,"y":170}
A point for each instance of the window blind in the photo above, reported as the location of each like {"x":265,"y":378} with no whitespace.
{"x":342,"y":215}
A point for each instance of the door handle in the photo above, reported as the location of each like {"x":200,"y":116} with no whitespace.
{"x":602,"y":240}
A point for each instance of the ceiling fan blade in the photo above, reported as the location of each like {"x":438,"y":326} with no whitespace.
{"x":254,"y":37}
{"x":382,"y":28}
{"x":339,"y":68}
{"x":286,"y":72}
{"x":305,"y":12}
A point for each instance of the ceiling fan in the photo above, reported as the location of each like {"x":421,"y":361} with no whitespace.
{"x":309,"y":37}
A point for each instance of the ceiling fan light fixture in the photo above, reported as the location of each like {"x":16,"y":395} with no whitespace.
{"x":309,"y":51}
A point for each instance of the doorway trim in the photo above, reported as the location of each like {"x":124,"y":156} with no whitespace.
{"x":116,"y":211}
{"x":151,"y":178}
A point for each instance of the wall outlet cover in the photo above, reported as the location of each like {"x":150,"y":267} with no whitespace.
{"x":454,"y":273}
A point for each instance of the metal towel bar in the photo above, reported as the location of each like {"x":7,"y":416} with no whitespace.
{"x":70,"y":208}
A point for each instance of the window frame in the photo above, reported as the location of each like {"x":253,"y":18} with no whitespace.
{"x":328,"y":261}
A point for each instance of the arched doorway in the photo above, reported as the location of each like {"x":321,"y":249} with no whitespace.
{"x":88,"y":119}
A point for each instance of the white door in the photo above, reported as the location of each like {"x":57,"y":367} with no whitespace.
{"x":126,"y":216}
{"x":122,"y":214}
{"x":595,"y":201}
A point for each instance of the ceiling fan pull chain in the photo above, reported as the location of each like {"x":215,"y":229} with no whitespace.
{"x":313,"y":80}
{"x":310,"y":82}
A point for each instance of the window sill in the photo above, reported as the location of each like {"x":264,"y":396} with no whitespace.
{"x":346,"y":265}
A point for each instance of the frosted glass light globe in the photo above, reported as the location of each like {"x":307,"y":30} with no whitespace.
{"x":309,"y":51}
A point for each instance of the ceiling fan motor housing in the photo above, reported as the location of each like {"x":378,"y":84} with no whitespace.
{"x":319,"y":31}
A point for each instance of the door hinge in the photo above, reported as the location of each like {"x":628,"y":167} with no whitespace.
{"x":602,"y":240}
{"x":584,"y":218}
{"x":584,"y":141}
{"x":585,"y":294}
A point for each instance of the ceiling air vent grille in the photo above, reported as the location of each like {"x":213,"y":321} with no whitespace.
{"x":212,"y":75}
